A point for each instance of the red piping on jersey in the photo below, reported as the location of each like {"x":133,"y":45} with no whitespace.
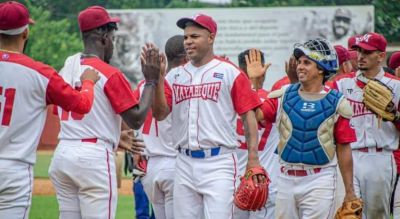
{"x":109,"y":184}
{"x":30,"y":191}
{"x":198,"y":105}
{"x":190,"y":100}
{"x":234,"y":180}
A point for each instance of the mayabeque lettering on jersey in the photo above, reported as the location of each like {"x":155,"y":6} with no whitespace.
{"x":359,"y":108}
{"x":206,"y":91}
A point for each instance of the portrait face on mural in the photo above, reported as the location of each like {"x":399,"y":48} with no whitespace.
{"x":341,"y":23}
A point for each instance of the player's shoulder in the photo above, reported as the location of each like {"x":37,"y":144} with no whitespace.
{"x":391,"y":77}
{"x":226,"y":63}
{"x":345,"y":76}
{"x":281,"y":82}
{"x":26,"y":61}
{"x":102,"y":67}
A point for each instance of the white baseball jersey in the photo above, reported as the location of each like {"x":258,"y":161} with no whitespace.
{"x":113,"y":95}
{"x":369,"y":132}
{"x":157,"y":135}
{"x":205,"y":101}
{"x":26,"y":88}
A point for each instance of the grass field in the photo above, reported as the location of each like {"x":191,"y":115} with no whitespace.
{"x":46,"y":207}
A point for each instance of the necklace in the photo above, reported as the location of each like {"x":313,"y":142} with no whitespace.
{"x":4,"y":50}
{"x":90,"y":55}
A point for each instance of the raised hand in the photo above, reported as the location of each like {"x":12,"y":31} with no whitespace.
{"x":255,"y":68}
{"x":291,"y":70}
{"x":150,"y":61}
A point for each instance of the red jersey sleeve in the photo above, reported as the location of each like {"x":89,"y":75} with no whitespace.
{"x":62,"y":94}
{"x":168,"y":94}
{"x":344,"y":134}
{"x":243,"y":97}
{"x":270,"y":108}
{"x":119,"y":93}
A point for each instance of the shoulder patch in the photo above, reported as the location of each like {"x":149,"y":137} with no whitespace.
{"x":344,"y":108}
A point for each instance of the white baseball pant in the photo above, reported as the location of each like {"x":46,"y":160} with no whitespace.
{"x":306,"y":197}
{"x":16,"y":183}
{"x":158,"y":183}
{"x":205,"y":184}
{"x":374,"y":178}
{"x":84,"y":178}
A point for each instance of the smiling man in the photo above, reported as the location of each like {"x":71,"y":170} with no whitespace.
{"x":313,"y":123}
{"x":204,"y":96}
{"x":374,"y":165}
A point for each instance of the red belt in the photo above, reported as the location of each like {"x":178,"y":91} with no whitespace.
{"x":301,"y":172}
{"x":366,"y":149}
{"x":90,"y":140}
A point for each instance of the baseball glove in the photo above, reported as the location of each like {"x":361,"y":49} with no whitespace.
{"x":350,"y":210}
{"x":378,"y":98}
{"x":249,"y":196}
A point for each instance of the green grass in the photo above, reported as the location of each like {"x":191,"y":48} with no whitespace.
{"x":41,"y":167}
{"x":46,"y":207}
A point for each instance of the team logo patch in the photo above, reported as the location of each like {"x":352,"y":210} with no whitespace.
{"x":218,"y":75}
{"x":5,"y":56}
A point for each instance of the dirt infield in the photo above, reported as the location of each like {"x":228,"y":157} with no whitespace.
{"x":45,"y":187}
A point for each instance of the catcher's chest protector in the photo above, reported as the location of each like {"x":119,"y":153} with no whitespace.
{"x":306,"y":128}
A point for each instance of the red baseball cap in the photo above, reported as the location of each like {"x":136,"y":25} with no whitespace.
{"x":394,"y":61}
{"x":94,"y":17}
{"x":351,"y":41}
{"x":342,"y":53}
{"x":14,"y":18}
{"x":371,"y":42}
{"x":201,"y":19}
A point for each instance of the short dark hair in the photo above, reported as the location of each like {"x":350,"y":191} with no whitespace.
{"x":174,"y":48}
{"x":242,"y":59}
{"x":100,"y":31}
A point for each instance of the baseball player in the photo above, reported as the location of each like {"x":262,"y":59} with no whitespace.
{"x":82,"y":169}
{"x":268,"y":139}
{"x":26,"y":88}
{"x":203,"y":97}
{"x":374,"y":167}
{"x":158,"y":182}
{"x":313,"y":123}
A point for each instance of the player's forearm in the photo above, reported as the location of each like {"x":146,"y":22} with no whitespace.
{"x":160,"y":107}
{"x":345,"y":161}
{"x":87,"y":98}
{"x":135,"y":116}
{"x":251,"y":135}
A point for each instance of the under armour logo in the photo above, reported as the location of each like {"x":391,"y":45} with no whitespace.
{"x":350,"y":91}
{"x":308,"y":107}
{"x":176,"y":76}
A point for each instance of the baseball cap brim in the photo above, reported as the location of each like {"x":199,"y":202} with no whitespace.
{"x":115,"y":19}
{"x":181,"y":23}
{"x":364,"y":46}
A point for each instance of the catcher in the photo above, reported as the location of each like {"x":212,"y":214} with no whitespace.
{"x":374,"y":96}
{"x":315,"y":136}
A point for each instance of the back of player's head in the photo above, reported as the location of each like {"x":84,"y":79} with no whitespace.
{"x":342,"y":53}
{"x":242,"y":59}
{"x":94,"y":17}
{"x":321,"y":52}
{"x":174,"y":49}
{"x":394,"y":60}
{"x":95,"y":21}
{"x":14,"y":18}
